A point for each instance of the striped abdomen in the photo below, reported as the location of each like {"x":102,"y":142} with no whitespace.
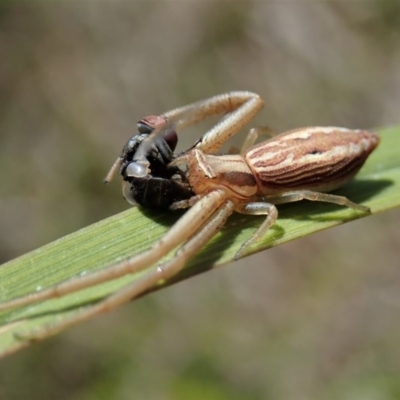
{"x":317,"y":158}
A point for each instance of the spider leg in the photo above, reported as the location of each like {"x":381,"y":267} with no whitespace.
{"x":240,"y":107}
{"x":182,"y":204}
{"x":150,"y":279}
{"x":298,"y":195}
{"x":253,"y":135}
{"x":185,"y":227}
{"x":272,"y":212}
{"x":257,"y":208}
{"x":251,"y":138}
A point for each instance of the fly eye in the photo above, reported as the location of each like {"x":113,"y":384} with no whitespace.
{"x":171,"y":138}
{"x":137,"y":169}
{"x":144,"y":128}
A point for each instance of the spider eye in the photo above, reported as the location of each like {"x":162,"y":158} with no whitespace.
{"x":144,"y":128}
{"x":137,"y":169}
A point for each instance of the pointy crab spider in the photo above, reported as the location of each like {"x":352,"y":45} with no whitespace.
{"x":301,"y":164}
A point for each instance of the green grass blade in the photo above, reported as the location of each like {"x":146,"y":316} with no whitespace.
{"x":120,"y":236}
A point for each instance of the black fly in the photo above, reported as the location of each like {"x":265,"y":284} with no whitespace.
{"x":143,"y":165}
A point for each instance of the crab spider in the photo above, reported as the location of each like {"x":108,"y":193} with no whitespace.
{"x":301,"y":164}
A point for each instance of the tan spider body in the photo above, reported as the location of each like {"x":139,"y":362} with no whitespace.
{"x":326,"y":159}
{"x":301,"y":164}
{"x":281,"y":170}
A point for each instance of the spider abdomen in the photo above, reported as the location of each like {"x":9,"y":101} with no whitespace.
{"x":317,"y":158}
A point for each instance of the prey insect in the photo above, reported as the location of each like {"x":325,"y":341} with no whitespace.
{"x":305,"y":163}
{"x":144,"y":164}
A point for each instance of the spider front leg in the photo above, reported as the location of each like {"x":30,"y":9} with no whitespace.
{"x":185,"y":227}
{"x":239,"y":108}
{"x":153,"y":277}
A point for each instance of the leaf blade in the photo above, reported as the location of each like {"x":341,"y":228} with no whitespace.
{"x":110,"y":240}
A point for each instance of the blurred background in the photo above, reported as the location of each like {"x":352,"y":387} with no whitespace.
{"x":315,"y":318}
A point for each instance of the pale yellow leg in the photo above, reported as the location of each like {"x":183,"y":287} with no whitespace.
{"x":146,"y":282}
{"x":185,"y":227}
{"x":257,"y":208}
{"x":298,"y":195}
{"x":240,"y":107}
{"x":253,"y":135}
